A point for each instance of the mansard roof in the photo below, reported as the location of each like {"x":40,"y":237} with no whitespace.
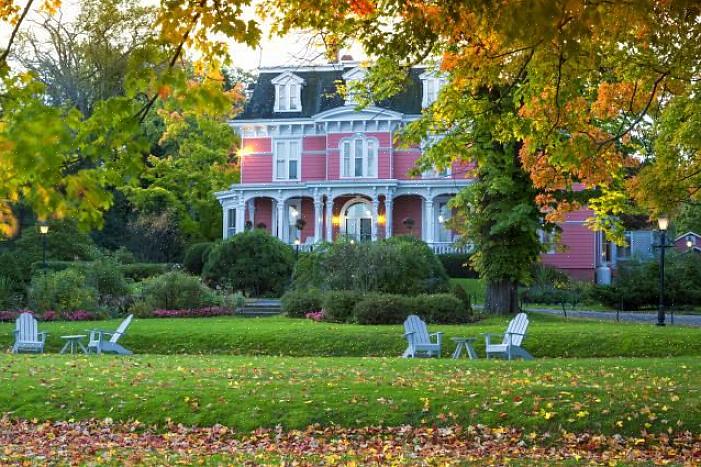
{"x":319,"y":93}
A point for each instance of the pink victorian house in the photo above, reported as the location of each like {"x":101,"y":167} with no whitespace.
{"x":313,"y":168}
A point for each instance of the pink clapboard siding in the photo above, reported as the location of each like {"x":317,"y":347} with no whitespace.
{"x":462,"y":170}
{"x":314,"y":143}
{"x":404,"y":207}
{"x":256,"y":160}
{"x":264,"y":213}
{"x":579,"y":244}
{"x":313,"y":167}
{"x":256,"y":169}
{"x":404,"y":161}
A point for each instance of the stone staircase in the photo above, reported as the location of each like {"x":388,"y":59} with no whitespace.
{"x":260,"y":308}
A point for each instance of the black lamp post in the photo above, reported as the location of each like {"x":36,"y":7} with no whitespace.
{"x":663,"y":224}
{"x":44,"y":230}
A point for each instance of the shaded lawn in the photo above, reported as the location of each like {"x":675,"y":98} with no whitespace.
{"x":602,"y":395}
{"x":548,"y":336}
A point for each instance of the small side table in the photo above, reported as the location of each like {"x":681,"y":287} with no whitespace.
{"x":74,"y":343}
{"x":464,"y":343}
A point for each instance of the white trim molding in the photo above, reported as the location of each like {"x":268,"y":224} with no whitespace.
{"x":288,"y":92}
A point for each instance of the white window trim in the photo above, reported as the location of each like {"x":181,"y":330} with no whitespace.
{"x":289,"y":82}
{"x":353,"y":76}
{"x":438,"y":80}
{"x":365,"y":141}
{"x":298,"y":158}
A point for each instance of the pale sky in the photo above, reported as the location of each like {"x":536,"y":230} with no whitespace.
{"x":276,"y":51}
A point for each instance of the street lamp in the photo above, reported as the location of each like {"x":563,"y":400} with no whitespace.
{"x":662,"y":224}
{"x":44,"y":230}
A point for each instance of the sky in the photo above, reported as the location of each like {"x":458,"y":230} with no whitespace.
{"x":275,"y":51}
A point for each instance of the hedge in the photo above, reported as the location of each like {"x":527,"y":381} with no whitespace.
{"x":135,"y":271}
{"x":297,"y":303}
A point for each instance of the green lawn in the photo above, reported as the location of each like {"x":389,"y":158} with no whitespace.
{"x":606,"y":396}
{"x":548,"y":336}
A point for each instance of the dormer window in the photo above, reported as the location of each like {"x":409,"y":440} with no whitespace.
{"x":288,"y":92}
{"x":351,"y":78}
{"x":432,"y":84}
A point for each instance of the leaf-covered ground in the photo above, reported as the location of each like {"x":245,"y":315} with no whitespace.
{"x":548,"y":336}
{"x":103,"y":442}
{"x":608,"y":396}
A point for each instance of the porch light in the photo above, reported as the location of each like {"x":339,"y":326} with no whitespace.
{"x":441,"y":219}
{"x":294,"y":211}
{"x":336,"y":220}
{"x":296,"y":241}
{"x":381,"y":219}
{"x":663,"y":222}
{"x":43,"y":229}
{"x":689,"y":242}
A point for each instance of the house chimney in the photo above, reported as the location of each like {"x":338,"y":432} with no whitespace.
{"x":346,"y":58}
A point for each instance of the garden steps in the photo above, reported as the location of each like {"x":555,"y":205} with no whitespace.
{"x":260,"y":308}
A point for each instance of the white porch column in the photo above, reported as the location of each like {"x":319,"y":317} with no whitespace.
{"x":318,"y":218}
{"x":252,"y":212}
{"x":225,"y":221}
{"x":281,"y":220}
{"x":329,"y":218}
{"x":375,"y":205}
{"x":429,"y":222}
{"x":240,"y":216}
{"x":388,"y":214}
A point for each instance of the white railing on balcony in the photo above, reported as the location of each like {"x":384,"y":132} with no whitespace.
{"x":447,"y":248}
{"x":439,"y":248}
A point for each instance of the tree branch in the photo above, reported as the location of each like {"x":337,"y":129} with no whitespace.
{"x":15,"y":30}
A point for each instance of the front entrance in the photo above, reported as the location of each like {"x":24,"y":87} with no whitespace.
{"x":358,"y":222}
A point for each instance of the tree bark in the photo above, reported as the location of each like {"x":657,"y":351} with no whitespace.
{"x":501,"y":297}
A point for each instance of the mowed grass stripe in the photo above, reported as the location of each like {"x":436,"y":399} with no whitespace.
{"x":600,"y":395}
{"x":548,"y":336}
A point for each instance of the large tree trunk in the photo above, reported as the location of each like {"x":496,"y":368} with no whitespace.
{"x":501,"y":297}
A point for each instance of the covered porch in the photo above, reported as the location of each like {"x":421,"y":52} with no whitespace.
{"x":314,"y":214}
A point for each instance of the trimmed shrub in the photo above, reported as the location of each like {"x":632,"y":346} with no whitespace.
{"x":253,"y":262}
{"x":297,"y":303}
{"x":382,"y":309}
{"x":441,"y":309}
{"x":176,"y":290}
{"x":196,"y":256}
{"x":62,"y":291}
{"x":400,"y":265}
{"x":141,"y":271}
{"x":340,"y":305}
{"x":462,"y":295}
{"x":457,"y":265}
{"x":105,"y":276}
{"x":191,"y":313}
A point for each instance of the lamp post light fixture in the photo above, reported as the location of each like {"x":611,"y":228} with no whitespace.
{"x":662,"y":224}
{"x":44,"y":231}
{"x":689,"y":242}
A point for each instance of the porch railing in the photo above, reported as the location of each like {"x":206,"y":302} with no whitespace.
{"x":439,"y":248}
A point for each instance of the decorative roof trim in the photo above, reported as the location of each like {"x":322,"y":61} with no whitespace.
{"x":286,"y":78}
{"x":687,"y":234}
{"x":354,"y":74}
{"x":348,"y":112}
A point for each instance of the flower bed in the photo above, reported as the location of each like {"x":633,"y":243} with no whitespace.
{"x":50,"y":315}
{"x":316,"y":315}
{"x":192,"y":313}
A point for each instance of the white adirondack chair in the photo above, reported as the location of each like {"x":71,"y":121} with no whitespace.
{"x":510,"y":346}
{"x":419,"y":339}
{"x":27,"y":335}
{"x":99,"y":342}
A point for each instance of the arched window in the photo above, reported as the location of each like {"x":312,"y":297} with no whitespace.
{"x":359,"y":157}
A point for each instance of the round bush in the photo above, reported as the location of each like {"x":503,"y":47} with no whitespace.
{"x":441,"y":309}
{"x":253,"y":262}
{"x":196,"y":256}
{"x":382,"y":309}
{"x":105,"y":276}
{"x":297,"y":303}
{"x":340,"y":305}
{"x":62,"y":291}
{"x":176,"y":290}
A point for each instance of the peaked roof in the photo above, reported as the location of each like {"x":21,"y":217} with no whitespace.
{"x":686,"y":235}
{"x":319,"y":94}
